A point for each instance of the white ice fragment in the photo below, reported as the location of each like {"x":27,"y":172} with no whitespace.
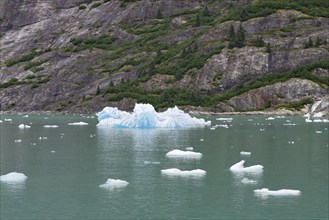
{"x":145,"y":116}
{"x":212,"y":128}
{"x":52,"y":151}
{"x":25,"y":116}
{"x":13,"y":177}
{"x":224,"y":119}
{"x":270,"y":118}
{"x":151,"y":162}
{"x":8,"y":119}
{"x":201,"y":139}
{"x":189,"y":148}
{"x":22,"y":126}
{"x":307,"y":120}
{"x":250,"y":119}
{"x":239,"y":168}
{"x":78,"y":123}
{"x":223,"y":125}
{"x":291,"y":142}
{"x":282,"y":192}
{"x":248,"y":181}
{"x":50,"y":126}
{"x":245,"y":153}
{"x":114,"y":184}
{"x":184,"y":154}
{"x":318,"y":132}
{"x":0,"y":121}
{"x":18,"y":141}
{"x":184,"y":173}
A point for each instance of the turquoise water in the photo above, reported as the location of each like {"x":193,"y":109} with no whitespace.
{"x":66,"y":167}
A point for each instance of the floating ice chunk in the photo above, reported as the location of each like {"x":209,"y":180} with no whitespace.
{"x":184,"y":173}
{"x":248,"y":181}
{"x":8,"y":119}
{"x":0,"y":121}
{"x":18,"y":141}
{"x":189,"y":148}
{"x":43,"y":138}
{"x":270,"y":118}
{"x":212,"y":128}
{"x":184,"y":154}
{"x":307,"y":120}
{"x":291,"y":142}
{"x":151,"y":162}
{"x":201,"y":139}
{"x":50,"y":126}
{"x":25,"y":116}
{"x":318,"y":132}
{"x":145,"y":116}
{"x":250,"y":119}
{"x":13,"y":177}
{"x":223,"y":126}
{"x":78,"y":123}
{"x":245,"y":153}
{"x":262,"y":129}
{"x":282,"y":192}
{"x":114,"y":184}
{"x":22,"y":126}
{"x":224,"y":119}
{"x":239,"y":168}
{"x":52,"y":151}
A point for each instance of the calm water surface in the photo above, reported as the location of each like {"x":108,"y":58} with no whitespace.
{"x":66,"y":168}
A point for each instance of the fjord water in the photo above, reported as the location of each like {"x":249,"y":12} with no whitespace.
{"x":65,"y":170}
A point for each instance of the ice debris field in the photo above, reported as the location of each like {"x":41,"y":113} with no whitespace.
{"x":145,"y":116}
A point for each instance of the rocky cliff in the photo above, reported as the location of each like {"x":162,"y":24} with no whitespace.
{"x":83,"y":55}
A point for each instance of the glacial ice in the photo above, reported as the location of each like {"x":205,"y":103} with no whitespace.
{"x":50,"y":126}
{"x":13,"y":177}
{"x":114,"y":184}
{"x":245,"y":153}
{"x":239,"y":168}
{"x":78,"y":123}
{"x":145,"y":116}
{"x":282,"y":192}
{"x":22,"y":126}
{"x":183,"y":154}
{"x":184,"y":173}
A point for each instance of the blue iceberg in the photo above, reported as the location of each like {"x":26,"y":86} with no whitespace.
{"x":145,"y":116}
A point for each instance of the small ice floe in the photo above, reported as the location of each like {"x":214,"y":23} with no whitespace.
{"x":0,"y":121}
{"x":270,"y":118}
{"x":43,"y":138}
{"x":25,"y":116}
{"x":22,"y":126}
{"x":318,"y":132}
{"x":78,"y":123}
{"x":183,"y":154}
{"x":184,"y":173}
{"x":114,"y":184}
{"x":223,"y":125}
{"x":250,"y":119}
{"x":239,"y":168}
{"x":50,"y":126}
{"x":280,"y":116}
{"x":151,"y":162}
{"x":13,"y":177}
{"x":224,"y":119}
{"x":265,"y":192}
{"x":248,"y":181}
{"x":245,"y":153}
{"x":8,"y":119}
{"x":212,"y":128}
{"x":201,"y":139}
{"x":262,"y":129}
{"x":46,"y":118}
{"x":321,"y":120}
{"x":18,"y":141}
{"x":291,"y":142}
{"x":92,"y":135}
{"x":189,"y":148}
{"x":33,"y":144}
{"x":52,"y":151}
